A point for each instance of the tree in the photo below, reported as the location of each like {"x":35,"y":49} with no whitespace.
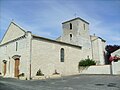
{"x":110,"y":49}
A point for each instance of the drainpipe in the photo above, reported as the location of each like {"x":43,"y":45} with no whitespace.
{"x":29,"y":50}
{"x":30,"y":55}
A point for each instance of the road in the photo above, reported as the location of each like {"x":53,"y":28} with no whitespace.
{"x":78,"y":82}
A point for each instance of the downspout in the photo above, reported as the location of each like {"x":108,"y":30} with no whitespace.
{"x":30,"y":54}
{"x":29,"y":42}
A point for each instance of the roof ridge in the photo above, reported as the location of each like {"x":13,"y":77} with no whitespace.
{"x":18,"y":26}
{"x":75,"y":19}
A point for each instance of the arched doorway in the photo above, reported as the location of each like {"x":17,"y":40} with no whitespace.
{"x":16,"y":66}
{"x":4,"y":67}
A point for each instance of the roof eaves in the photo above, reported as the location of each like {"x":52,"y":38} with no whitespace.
{"x":34,"y":36}
{"x":75,"y":19}
{"x":102,"y":39}
{"x":13,"y":40}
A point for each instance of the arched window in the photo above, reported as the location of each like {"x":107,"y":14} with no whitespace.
{"x":70,"y":25}
{"x":62,"y":54}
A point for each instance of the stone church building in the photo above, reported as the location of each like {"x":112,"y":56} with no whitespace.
{"x":23,"y":52}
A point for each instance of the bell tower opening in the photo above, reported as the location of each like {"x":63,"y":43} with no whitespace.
{"x":70,"y":26}
{"x":70,"y":36}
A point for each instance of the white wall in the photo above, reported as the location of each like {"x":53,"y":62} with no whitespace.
{"x":46,"y":56}
{"x":7,"y":51}
{"x":12,"y":33}
{"x":116,"y":67}
{"x":98,"y":48}
{"x":103,"y":69}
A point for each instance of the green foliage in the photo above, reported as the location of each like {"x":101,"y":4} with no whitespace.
{"x":39,"y":73}
{"x":86,"y":62}
{"x":21,"y":75}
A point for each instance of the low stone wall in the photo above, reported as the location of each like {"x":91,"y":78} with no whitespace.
{"x":46,"y":77}
{"x":102,"y":69}
{"x":116,"y":68}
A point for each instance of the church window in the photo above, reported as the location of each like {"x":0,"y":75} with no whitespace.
{"x":62,"y":54}
{"x":70,"y":25}
{"x":70,"y":36}
{"x":84,"y":26}
{"x":16,"y":46}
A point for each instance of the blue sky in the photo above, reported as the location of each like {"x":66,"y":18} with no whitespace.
{"x":44,"y":17}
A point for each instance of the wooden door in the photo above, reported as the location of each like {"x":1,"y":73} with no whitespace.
{"x":17,"y":61}
{"x":5,"y":65}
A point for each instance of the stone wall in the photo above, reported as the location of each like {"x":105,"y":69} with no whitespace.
{"x":8,"y":50}
{"x":46,"y":57}
{"x":98,"y":49}
{"x":116,"y":67}
{"x":103,"y":69}
{"x":12,"y":33}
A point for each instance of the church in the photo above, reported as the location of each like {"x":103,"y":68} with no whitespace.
{"x":23,"y":52}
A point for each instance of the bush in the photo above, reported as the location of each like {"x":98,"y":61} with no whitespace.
{"x":39,"y":73}
{"x":56,"y":73}
{"x":22,"y":75}
{"x":86,"y":62}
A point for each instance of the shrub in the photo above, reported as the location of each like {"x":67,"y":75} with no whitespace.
{"x":39,"y":73}
{"x":22,"y":75}
{"x":56,"y":73}
{"x":86,"y":62}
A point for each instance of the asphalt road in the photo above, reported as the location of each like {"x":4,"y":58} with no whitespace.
{"x":79,"y":82}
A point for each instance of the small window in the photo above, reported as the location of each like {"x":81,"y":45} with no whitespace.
{"x":62,"y":54}
{"x":84,"y":26}
{"x":16,"y":46}
{"x":70,"y":25}
{"x":70,"y":36}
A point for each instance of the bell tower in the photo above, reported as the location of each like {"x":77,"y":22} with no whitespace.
{"x":76,"y":31}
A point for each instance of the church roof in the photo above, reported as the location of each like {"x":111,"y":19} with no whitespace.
{"x":75,"y":19}
{"x":102,"y":39}
{"x":97,"y":38}
{"x":34,"y":36}
{"x":47,"y":39}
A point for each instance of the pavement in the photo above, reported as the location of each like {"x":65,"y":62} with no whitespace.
{"x":77,"y":82}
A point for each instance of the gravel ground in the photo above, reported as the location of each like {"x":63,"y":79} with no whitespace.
{"x":78,"y":82}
